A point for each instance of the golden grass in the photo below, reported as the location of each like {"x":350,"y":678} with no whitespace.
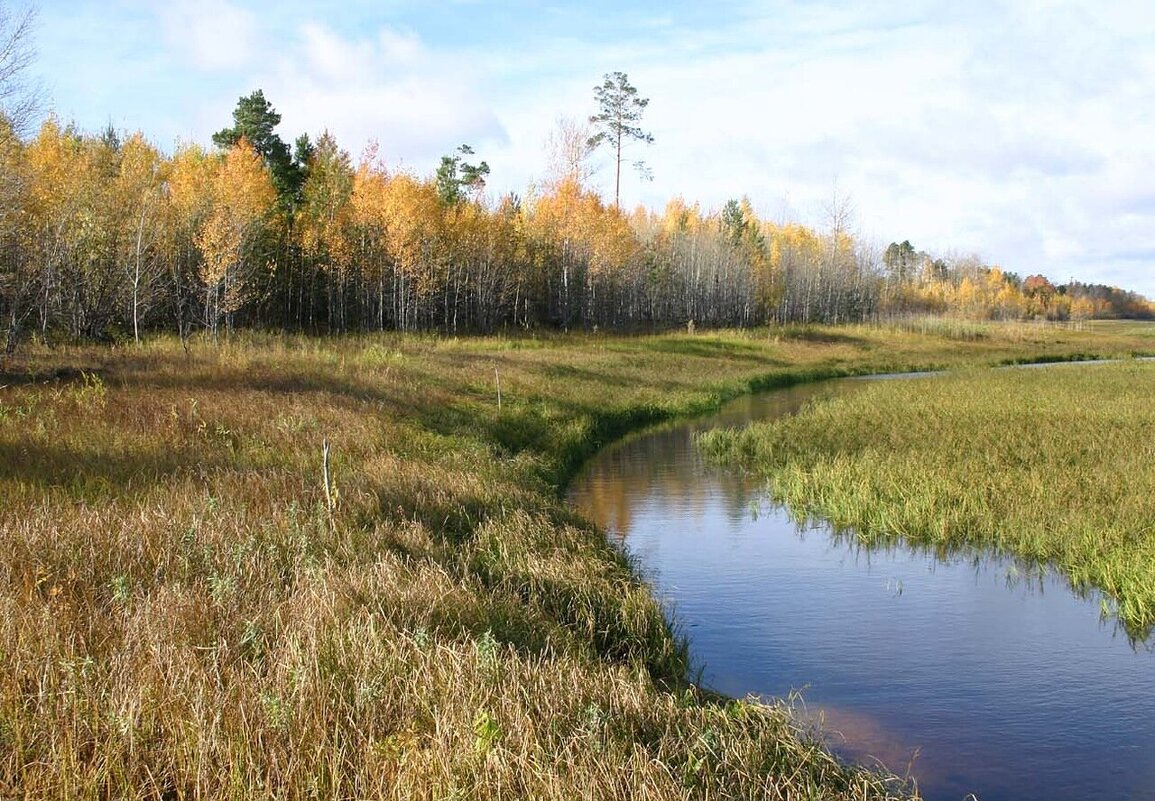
{"x":183,"y":615}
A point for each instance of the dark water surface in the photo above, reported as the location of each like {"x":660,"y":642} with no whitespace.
{"x":974,"y":676}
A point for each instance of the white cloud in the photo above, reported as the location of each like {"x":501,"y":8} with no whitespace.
{"x":214,"y":35}
{"x":1023,"y":139}
{"x":386,"y":87}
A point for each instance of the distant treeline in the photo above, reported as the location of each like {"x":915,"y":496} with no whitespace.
{"x":104,"y":236}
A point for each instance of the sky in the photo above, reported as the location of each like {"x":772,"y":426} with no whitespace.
{"x":1022,"y":131}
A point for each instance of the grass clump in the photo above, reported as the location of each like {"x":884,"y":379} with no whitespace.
{"x":186,"y":612}
{"x":1052,"y":466}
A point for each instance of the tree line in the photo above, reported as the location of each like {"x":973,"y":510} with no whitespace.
{"x":104,"y":236}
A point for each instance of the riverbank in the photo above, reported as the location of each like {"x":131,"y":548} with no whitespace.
{"x":196,"y":606}
{"x":1052,"y":467}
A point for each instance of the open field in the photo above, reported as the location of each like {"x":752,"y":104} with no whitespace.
{"x":1052,"y":466}
{"x":189,"y":609}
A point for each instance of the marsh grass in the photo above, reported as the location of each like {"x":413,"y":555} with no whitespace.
{"x":185,"y":614}
{"x":1054,"y":467}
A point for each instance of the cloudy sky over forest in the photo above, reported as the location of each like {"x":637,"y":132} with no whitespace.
{"x":1021,"y":131}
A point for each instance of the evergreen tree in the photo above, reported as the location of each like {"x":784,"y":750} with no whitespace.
{"x":621,"y":109}
{"x":455,"y":176}
{"x":254,"y":119}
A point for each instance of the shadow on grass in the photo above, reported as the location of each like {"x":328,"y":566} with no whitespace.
{"x":93,"y":473}
{"x":712,"y":348}
{"x":16,"y":378}
{"x":284,"y":384}
{"x":823,"y":336}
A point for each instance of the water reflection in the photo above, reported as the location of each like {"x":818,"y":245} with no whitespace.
{"x":863,"y":737}
{"x":986,"y":676}
{"x":660,"y":466}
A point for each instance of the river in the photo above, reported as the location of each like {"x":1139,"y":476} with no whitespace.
{"x":969,"y":673}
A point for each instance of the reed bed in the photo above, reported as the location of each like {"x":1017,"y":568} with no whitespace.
{"x":195,"y":603}
{"x":1053,"y":466}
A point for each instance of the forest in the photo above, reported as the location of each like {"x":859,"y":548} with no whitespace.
{"x":103,"y":236}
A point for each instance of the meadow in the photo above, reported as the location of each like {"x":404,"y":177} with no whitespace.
{"x":1052,"y":466}
{"x":282,"y":567}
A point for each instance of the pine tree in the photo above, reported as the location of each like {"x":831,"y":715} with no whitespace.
{"x":621,"y":109}
{"x":254,"y":119}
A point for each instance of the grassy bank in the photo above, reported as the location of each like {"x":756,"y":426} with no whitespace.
{"x":1053,"y":466}
{"x":188,"y":609}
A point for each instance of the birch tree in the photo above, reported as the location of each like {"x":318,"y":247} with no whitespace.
{"x":568,"y":150}
{"x":189,"y":199}
{"x":243,"y":199}
{"x":17,"y":268}
{"x":324,"y":221}
{"x":136,"y":197}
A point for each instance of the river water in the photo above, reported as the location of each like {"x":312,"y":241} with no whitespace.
{"x":972,"y":675}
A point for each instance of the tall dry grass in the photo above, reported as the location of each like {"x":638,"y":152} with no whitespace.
{"x":185,"y":612}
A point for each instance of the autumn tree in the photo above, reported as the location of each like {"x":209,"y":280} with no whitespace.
{"x":188,"y":201}
{"x":71,"y":230}
{"x":412,"y":214}
{"x":368,"y":235}
{"x":797,"y":254}
{"x":324,"y":222}
{"x":254,"y":120}
{"x":1110,"y":302}
{"x":586,"y":247}
{"x":17,"y":269}
{"x":555,"y":225}
{"x":1040,"y":294}
{"x":137,"y":193}
{"x":243,"y":196}
{"x":619,"y":111}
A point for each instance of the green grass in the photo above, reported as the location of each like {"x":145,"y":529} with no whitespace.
{"x":184,"y":615}
{"x":1052,"y":466}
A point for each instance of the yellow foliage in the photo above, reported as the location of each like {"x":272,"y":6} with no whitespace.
{"x":792,"y":244}
{"x":1083,"y":308}
{"x":681,"y":219}
{"x":242,"y":199}
{"x":191,"y":175}
{"x":412,"y":221}
{"x":327,"y":212}
{"x":584,"y":231}
{"x":58,"y":174}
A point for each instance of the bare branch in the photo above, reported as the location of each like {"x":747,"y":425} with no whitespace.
{"x":568,"y":149}
{"x":20,"y":96}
